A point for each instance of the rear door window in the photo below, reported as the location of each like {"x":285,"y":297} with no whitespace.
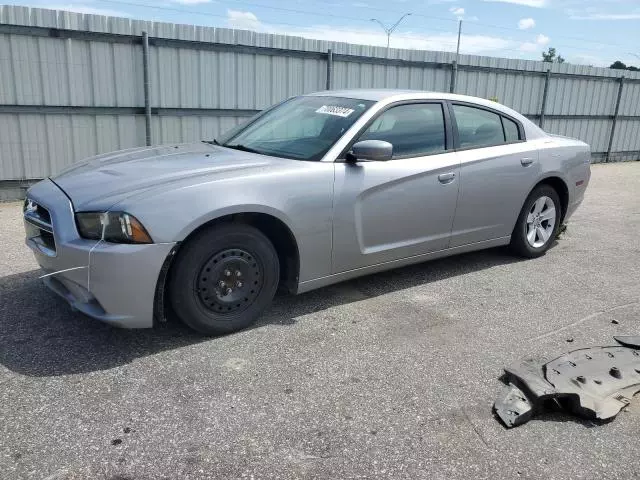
{"x":478,"y":127}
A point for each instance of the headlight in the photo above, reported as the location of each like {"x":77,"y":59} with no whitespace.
{"x":117,"y":227}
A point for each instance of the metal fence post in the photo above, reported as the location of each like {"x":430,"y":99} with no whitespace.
{"x":454,"y":74}
{"x":329,"y":68}
{"x":545,"y":93}
{"x":615,"y":118}
{"x":145,"y":74}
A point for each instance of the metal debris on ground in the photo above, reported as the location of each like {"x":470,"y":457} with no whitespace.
{"x":594,"y":383}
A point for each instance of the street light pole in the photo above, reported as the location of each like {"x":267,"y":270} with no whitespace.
{"x":389,"y":30}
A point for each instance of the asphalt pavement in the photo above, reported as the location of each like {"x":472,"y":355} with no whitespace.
{"x":389,"y":376}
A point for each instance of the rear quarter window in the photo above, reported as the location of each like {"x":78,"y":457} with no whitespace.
{"x":511,"y":132}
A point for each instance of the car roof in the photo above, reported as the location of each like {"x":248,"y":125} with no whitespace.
{"x":389,"y":95}
{"x":392,"y":94}
{"x":375,"y":94}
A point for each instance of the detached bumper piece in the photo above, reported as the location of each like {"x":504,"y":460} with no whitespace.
{"x":594,"y":383}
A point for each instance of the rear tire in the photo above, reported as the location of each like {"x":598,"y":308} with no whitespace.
{"x":538,"y":222}
{"x":224,"y":278}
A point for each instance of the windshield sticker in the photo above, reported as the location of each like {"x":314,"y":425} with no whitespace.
{"x":333,"y":110}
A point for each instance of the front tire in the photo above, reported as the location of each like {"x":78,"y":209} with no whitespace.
{"x":538,"y":223}
{"x":224,"y":278}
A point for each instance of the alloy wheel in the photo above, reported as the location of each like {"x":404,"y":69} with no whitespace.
{"x":541,"y":221}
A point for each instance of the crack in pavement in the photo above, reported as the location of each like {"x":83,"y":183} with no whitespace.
{"x":582,"y":320}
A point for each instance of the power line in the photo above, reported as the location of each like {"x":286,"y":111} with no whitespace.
{"x":226,"y":17}
{"x":490,"y":25}
{"x":529,"y":32}
{"x":410,"y":36}
{"x":250,"y":4}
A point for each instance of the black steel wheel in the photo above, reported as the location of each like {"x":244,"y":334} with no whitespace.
{"x":224,"y":278}
{"x":230,"y":281}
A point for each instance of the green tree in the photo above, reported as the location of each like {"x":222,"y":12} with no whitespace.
{"x":618,"y":65}
{"x":552,"y":56}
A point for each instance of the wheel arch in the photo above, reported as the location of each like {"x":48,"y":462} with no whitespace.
{"x":561,"y":188}
{"x":275,"y":229}
{"x":270,"y":223}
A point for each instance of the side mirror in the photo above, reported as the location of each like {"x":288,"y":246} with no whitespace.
{"x":374,"y":150}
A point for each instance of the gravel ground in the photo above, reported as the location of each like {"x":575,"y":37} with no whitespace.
{"x":388,"y":376}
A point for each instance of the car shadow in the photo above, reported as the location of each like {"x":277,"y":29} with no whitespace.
{"x":41,"y":336}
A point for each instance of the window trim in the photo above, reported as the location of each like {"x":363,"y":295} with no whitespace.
{"x":454,"y":122}
{"x":448,"y":132}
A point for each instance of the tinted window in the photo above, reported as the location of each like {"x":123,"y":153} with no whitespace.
{"x":477,"y":127}
{"x":302,"y":128}
{"x":510,"y":130}
{"x":413,"y":130}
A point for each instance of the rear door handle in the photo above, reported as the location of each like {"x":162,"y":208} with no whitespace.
{"x":446,"y":177}
{"x":526,"y":161}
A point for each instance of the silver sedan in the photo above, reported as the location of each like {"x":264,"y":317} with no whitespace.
{"x":318,"y":189}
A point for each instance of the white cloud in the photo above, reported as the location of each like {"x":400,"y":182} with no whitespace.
{"x":526,"y":3}
{"x":243,"y":20}
{"x":542,"y":39}
{"x":191,"y":2}
{"x":86,"y":9}
{"x":526,"y":23}
{"x":471,"y":44}
{"x":457,"y":11}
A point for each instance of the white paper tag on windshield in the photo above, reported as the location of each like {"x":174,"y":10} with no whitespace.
{"x":333,"y":110}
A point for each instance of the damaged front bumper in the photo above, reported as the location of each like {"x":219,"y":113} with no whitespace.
{"x":591,"y":382}
{"x":110,"y":282}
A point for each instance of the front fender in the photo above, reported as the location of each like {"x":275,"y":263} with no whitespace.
{"x":302,"y":199}
{"x":233,"y":209}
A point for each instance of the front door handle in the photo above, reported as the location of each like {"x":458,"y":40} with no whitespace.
{"x":526,"y":161}
{"x":446,"y":177}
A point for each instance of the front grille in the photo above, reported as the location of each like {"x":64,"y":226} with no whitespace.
{"x":39,"y":226}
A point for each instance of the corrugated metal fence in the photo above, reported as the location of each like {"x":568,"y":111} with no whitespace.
{"x":72,"y":85}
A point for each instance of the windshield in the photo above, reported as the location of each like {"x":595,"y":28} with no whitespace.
{"x":303,"y":128}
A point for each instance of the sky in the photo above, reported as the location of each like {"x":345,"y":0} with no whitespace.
{"x":589,"y":32}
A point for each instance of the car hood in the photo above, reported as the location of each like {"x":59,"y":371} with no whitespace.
{"x":102,"y":181}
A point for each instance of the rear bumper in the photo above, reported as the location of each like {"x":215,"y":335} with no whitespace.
{"x":113,"y":283}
